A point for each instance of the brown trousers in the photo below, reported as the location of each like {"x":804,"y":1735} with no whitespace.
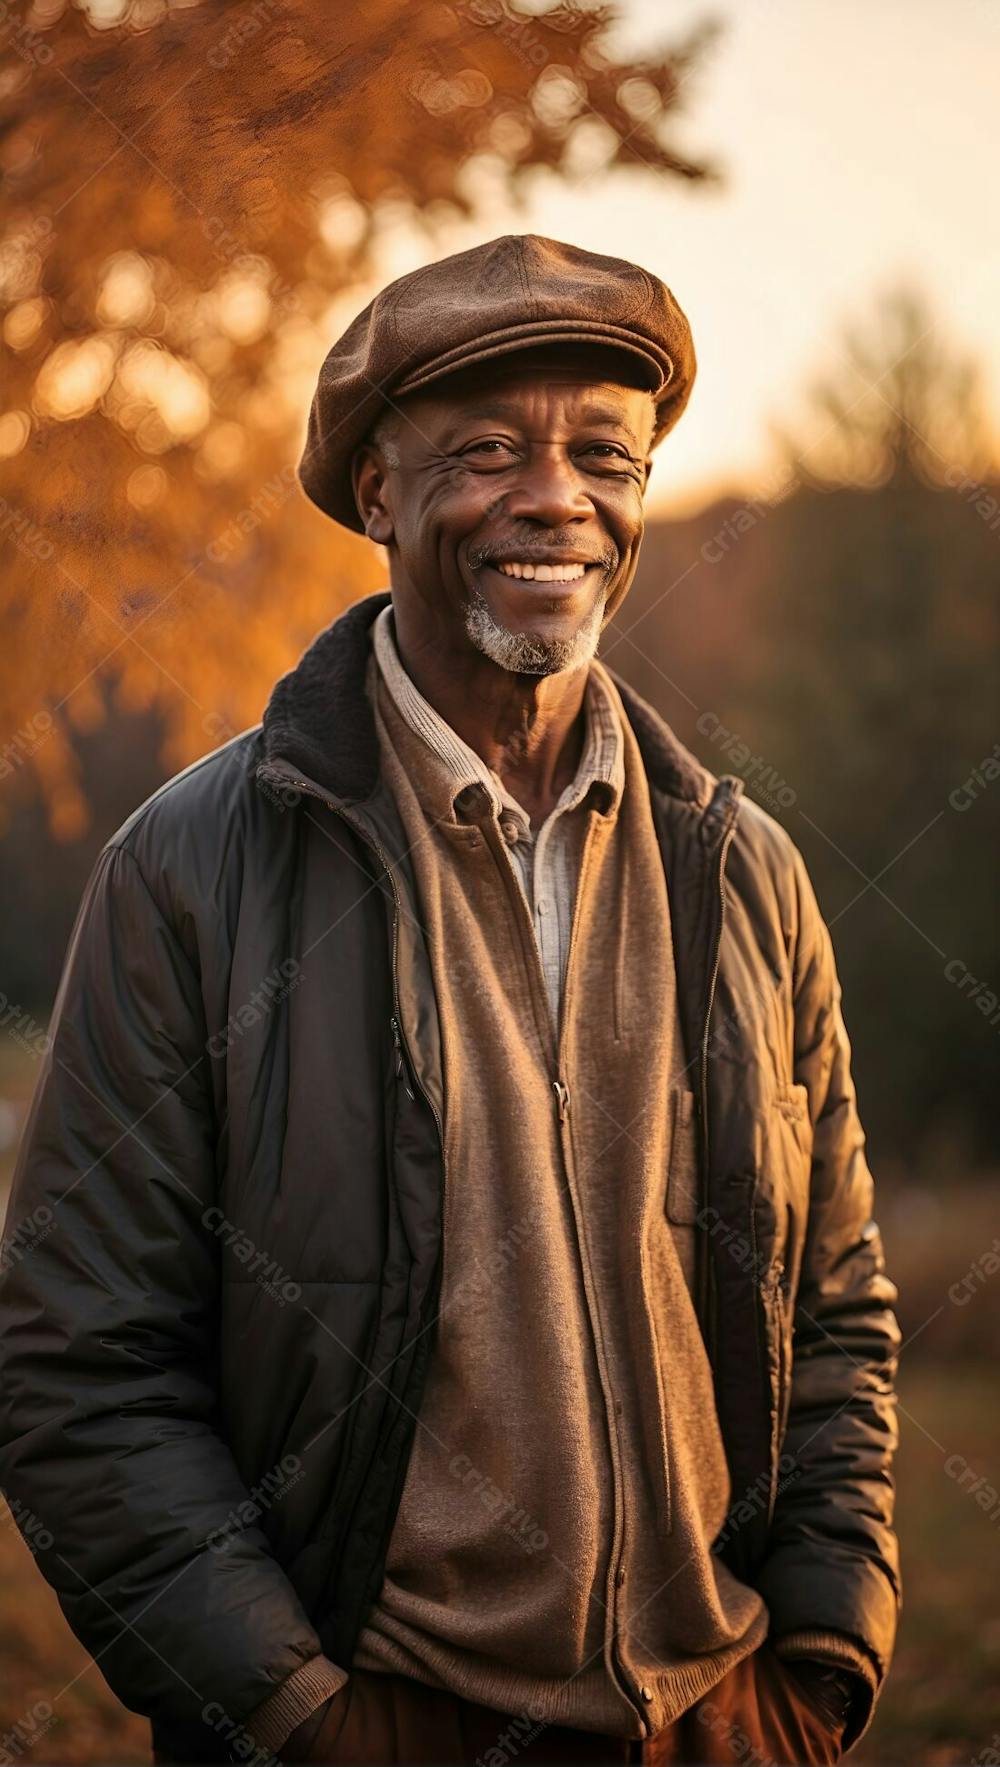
{"x":755,"y":1717}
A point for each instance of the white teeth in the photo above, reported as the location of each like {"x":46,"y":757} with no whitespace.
{"x":542,"y":573}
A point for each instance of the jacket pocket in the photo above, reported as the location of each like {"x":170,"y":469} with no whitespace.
{"x":682,"y":1174}
{"x":792,"y":1100}
{"x":784,"y":1150}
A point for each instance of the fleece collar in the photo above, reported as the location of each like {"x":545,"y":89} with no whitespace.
{"x":320,"y":720}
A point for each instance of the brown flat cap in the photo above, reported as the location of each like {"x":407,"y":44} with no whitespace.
{"x":510,"y":294}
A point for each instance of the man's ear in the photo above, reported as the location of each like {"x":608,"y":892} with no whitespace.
{"x":369,"y":483}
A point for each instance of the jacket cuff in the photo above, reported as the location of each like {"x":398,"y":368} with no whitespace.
{"x":272,"y":1722}
{"x":835,"y":1647}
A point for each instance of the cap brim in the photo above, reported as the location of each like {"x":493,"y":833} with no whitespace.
{"x":534,"y":334}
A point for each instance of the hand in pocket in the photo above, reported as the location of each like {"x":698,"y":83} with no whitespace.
{"x":757,"y":1712}
{"x":357,"y":1725}
{"x":799,"y":1729}
{"x":313,"y":1739}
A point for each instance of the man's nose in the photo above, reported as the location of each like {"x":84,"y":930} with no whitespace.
{"x":548,"y":489}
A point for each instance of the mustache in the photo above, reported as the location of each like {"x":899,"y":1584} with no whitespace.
{"x":536,"y":545}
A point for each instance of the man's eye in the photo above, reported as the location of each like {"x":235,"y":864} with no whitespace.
{"x":486,"y":444}
{"x":610,"y":454}
{"x":610,"y":450}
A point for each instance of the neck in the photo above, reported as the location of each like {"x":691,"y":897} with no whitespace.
{"x":528,"y":728}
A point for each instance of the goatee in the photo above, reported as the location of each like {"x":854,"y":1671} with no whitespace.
{"x":527,"y":653}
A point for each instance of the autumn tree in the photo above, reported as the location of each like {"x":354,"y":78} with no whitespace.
{"x":197,"y":199}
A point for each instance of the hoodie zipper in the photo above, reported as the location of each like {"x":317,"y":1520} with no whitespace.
{"x":706,"y":1282}
{"x":563,"y":1103}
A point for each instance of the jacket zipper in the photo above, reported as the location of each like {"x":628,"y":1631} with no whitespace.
{"x":401,"y":1069}
{"x":772,"y":1296}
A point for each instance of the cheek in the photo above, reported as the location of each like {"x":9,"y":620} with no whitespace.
{"x":418,"y":509}
{"x":624,"y":517}
{"x":462,"y":507}
{"x":437,"y":517}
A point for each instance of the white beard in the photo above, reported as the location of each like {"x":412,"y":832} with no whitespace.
{"x":525,"y":653}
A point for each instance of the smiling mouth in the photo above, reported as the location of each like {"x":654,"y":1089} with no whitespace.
{"x":530,"y":571}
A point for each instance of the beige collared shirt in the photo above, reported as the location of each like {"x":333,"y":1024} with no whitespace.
{"x":546,"y":862}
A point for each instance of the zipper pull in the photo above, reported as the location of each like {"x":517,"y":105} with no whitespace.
{"x":561,"y":1091}
{"x":400,"y":1062}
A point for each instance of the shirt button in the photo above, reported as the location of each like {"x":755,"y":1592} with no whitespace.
{"x":509,"y":829}
{"x":543,"y":906}
{"x":647,"y":1693}
{"x":620,"y":1578}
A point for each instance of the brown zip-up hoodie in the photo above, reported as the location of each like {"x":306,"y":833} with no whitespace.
{"x":551,"y":1552}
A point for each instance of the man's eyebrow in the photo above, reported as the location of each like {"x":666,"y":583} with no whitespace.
{"x":499,"y":407}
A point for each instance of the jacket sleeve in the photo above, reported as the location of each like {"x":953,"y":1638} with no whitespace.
{"x":110,"y":1443}
{"x":832,"y":1564}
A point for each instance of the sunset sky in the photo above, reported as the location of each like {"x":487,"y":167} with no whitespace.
{"x":859,"y":145}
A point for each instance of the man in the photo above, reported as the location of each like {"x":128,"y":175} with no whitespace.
{"x":459,"y":1331}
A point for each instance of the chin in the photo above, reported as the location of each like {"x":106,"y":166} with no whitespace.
{"x":532,"y":653}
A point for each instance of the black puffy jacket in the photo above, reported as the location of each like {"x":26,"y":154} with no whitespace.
{"x":222,"y":1249}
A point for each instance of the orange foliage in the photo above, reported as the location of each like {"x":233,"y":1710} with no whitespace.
{"x":198,"y":199}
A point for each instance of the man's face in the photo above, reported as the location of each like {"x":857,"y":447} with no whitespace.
{"x":511,"y":502}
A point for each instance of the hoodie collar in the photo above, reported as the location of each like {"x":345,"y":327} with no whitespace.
{"x":319,"y":720}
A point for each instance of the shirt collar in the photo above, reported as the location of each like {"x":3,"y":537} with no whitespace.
{"x":602,"y":764}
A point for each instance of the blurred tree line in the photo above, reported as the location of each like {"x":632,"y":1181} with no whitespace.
{"x":834,"y":643}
